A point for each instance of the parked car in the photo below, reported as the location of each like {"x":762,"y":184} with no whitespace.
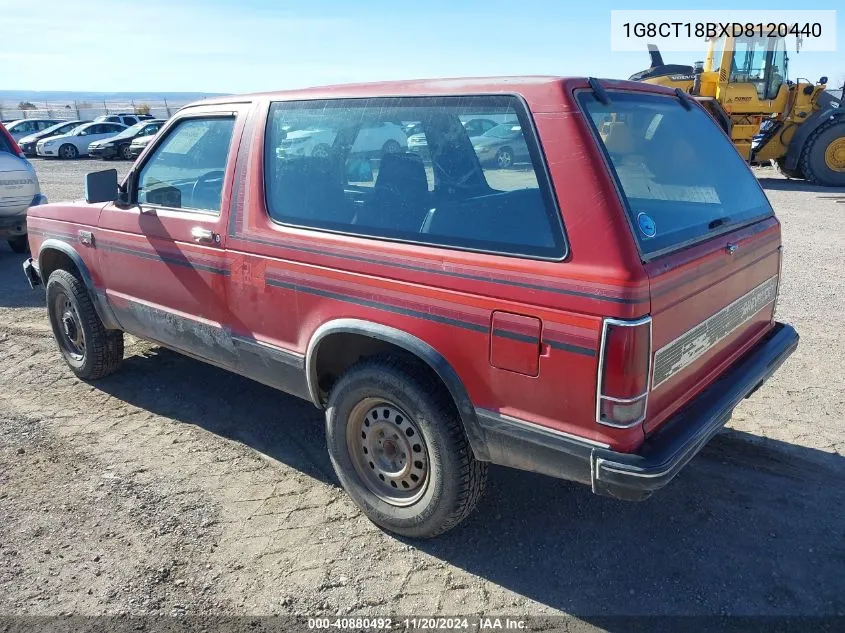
{"x":75,"y":143}
{"x":28,"y":143}
{"x":382,"y":137}
{"x":119,"y":145}
{"x":474,"y":127}
{"x":595,"y":316}
{"x":125,"y":119}
{"x":503,"y":145}
{"x":138,"y":145}
{"x":19,"y":190}
{"x":25,"y":127}
{"x":477,"y":127}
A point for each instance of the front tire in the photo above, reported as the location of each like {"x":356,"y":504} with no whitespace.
{"x":19,"y":244}
{"x":399,"y":449}
{"x":89,"y":349}
{"x":823,"y":155}
{"x":504,"y":158}
{"x":68,"y":152}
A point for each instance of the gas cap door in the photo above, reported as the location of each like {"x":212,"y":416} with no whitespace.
{"x":515,"y":343}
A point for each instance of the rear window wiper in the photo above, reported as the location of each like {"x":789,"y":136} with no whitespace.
{"x":718,"y":222}
{"x":598,"y":92}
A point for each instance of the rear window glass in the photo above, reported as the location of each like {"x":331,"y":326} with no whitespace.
{"x":681,"y":177}
{"x":413,"y":169}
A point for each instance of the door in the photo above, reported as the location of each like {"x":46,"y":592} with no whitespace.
{"x":707,"y":235}
{"x":97,"y":133}
{"x":162,"y":253}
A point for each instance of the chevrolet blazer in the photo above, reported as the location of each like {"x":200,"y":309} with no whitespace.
{"x":587,"y":295}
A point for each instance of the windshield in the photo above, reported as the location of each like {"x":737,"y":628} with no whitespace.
{"x":680,"y":175}
{"x":506,"y":130}
{"x":61,"y":128}
{"x":133,"y":130}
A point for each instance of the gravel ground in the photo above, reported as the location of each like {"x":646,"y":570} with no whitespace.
{"x":174,"y":487}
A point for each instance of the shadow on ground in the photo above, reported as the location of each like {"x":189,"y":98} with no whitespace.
{"x":752,"y":526}
{"x":14,"y":289}
{"x":784,"y":184}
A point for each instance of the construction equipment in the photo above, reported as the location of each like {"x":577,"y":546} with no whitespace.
{"x":743,"y":84}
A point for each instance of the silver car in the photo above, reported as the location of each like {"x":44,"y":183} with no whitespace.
{"x":19,"y":190}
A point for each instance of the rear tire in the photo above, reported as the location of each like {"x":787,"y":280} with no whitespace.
{"x":436,"y":482}
{"x":90,"y":350}
{"x":124,"y":153}
{"x":823,"y":155}
{"x":68,"y":152}
{"x":19,"y":244}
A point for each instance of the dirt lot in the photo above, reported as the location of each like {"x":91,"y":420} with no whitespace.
{"x":174,"y":487}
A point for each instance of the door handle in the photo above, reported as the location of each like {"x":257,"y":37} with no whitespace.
{"x":204,"y":236}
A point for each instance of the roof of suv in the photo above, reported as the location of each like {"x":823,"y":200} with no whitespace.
{"x":537,"y":90}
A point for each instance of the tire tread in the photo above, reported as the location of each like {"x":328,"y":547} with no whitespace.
{"x":807,"y":150}
{"x":472,"y":475}
{"x":106,"y":346}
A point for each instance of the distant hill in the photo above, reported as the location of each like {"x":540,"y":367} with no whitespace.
{"x":53,"y":96}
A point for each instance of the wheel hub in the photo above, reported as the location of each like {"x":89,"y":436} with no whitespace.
{"x":834,"y":155}
{"x":69,"y":326}
{"x":388,"y":452}
{"x":71,"y":336}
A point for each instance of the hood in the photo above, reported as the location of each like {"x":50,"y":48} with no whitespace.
{"x":484,"y":141}
{"x":58,"y":137}
{"x":143,"y":140}
{"x":32,"y":138}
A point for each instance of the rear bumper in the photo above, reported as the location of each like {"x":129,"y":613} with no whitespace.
{"x":635,"y":476}
{"x":13,"y":224}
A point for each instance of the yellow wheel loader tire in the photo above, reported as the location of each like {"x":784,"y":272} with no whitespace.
{"x":823,"y":155}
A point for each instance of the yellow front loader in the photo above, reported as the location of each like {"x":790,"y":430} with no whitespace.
{"x":743,"y":84}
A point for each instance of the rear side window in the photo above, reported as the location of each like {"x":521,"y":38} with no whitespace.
{"x":681,"y":178}
{"x":409,"y":169}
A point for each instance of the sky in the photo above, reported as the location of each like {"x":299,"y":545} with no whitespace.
{"x":232,"y":46}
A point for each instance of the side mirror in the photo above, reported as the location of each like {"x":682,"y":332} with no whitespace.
{"x":101,"y":186}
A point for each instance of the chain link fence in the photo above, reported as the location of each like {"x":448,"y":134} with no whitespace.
{"x":86,"y":110}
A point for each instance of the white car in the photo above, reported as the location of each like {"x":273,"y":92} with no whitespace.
{"x":76,"y":142}
{"x":25,"y":127}
{"x":377,"y":139}
{"x":19,"y":190}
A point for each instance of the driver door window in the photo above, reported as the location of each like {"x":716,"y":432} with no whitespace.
{"x":185,"y":171}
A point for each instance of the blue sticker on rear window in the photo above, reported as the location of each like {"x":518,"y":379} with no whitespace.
{"x":647,"y":226}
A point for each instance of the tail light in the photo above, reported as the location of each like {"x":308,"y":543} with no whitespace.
{"x":624,"y":371}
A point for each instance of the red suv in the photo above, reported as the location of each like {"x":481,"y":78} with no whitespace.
{"x":592,"y":309}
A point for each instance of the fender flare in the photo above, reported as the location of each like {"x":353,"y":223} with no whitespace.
{"x":98,"y":298}
{"x":796,"y":143}
{"x":416,"y":346}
